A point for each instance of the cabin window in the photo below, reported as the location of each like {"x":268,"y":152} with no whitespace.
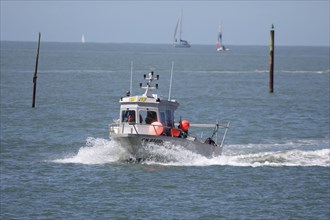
{"x":162,"y":118}
{"x":147,"y":117}
{"x":128,"y":116}
{"x":169,"y":118}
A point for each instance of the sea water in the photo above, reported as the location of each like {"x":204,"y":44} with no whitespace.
{"x":58,"y":162}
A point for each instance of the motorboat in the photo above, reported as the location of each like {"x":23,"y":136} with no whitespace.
{"x":147,"y":122}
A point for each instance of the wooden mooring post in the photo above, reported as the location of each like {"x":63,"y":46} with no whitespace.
{"x":35,"y":75}
{"x":271,"y":60}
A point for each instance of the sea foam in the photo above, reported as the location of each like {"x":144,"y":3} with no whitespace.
{"x":96,"y":151}
{"x":102,"y":151}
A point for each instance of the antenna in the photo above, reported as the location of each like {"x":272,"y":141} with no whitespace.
{"x":130,"y":88}
{"x":169,"y":93}
{"x":150,"y":77}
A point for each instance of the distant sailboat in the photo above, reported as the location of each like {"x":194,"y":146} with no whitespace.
{"x":83,"y":39}
{"x":219,"y":45}
{"x":180,"y":43}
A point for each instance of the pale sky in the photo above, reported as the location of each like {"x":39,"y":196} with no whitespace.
{"x":243,"y":22}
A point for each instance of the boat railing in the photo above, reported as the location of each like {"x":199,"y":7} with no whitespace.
{"x":134,"y":128}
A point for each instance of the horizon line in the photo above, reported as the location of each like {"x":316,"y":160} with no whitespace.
{"x":197,"y":44}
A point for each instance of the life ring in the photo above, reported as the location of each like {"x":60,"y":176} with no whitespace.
{"x":156,"y":128}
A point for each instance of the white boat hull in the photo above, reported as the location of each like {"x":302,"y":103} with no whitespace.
{"x":139,"y":146}
{"x":182,"y":45}
{"x":222,"y":49}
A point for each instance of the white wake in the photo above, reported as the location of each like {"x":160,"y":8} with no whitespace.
{"x":307,"y":153}
{"x":96,"y":151}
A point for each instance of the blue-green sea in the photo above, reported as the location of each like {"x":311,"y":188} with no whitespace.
{"x":58,"y":162}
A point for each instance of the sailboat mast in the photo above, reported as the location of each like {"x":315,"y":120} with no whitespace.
{"x":175,"y":31}
{"x":181,"y":24}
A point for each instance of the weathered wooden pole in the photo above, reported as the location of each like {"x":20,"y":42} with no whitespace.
{"x":35,"y":75}
{"x":271,"y":66}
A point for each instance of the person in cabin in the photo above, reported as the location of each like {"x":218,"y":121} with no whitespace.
{"x":151,"y":117}
{"x":129,"y":116}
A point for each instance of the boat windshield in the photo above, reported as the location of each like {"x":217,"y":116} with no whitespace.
{"x":128,"y":116}
{"x":147,"y":116}
{"x":169,"y":118}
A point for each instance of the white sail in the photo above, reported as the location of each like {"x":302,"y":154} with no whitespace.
{"x":180,"y":43}
{"x":219,"y":38}
{"x":176,"y":30}
{"x":83,"y":39}
{"x":219,"y":45}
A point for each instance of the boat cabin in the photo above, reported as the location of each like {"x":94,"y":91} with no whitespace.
{"x":143,"y":110}
{"x":138,"y":113}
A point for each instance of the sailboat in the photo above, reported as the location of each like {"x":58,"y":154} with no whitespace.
{"x":180,"y":43}
{"x":219,"y":45}
{"x":83,"y":39}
